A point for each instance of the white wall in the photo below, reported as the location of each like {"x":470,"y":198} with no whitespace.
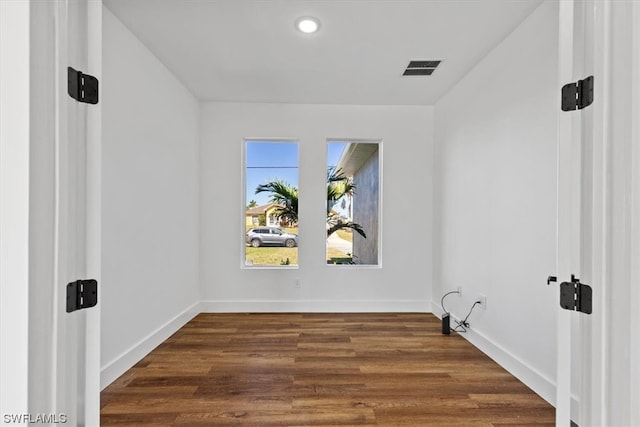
{"x":496,"y":154}
{"x":407,"y":159}
{"x":15,"y":149}
{"x":150,"y":201}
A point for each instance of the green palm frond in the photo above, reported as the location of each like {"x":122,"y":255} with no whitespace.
{"x":284,"y":195}
{"x":351,"y":225}
{"x":338,"y":186}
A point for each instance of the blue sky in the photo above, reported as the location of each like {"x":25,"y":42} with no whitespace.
{"x":334,"y":151}
{"x":269,"y":160}
{"x":266,"y":160}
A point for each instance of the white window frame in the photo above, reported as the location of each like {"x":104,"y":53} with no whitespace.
{"x":243,"y":186}
{"x":380,"y":143}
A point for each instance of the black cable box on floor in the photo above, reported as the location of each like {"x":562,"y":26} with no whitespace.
{"x":446,"y":328}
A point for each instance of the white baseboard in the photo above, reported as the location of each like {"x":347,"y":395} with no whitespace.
{"x":542,"y":385}
{"x":112,"y":370}
{"x":315,"y":306}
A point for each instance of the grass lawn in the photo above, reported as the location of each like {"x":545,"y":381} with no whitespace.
{"x":334,"y":256}
{"x":271,"y":255}
{"x":346,"y":235}
{"x":275,"y":255}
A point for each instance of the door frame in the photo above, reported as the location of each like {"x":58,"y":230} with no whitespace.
{"x":29,"y":305}
{"x":603,"y":41}
{"x":634,"y":395}
{"x":568,"y":138}
{"x":77,"y":245}
{"x":611,"y":237}
{"x":94,"y":216}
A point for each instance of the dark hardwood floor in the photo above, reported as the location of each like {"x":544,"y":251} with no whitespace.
{"x":319,"y":369}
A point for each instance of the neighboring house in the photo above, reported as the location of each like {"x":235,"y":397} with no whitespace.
{"x":253,"y":215}
{"x":360,"y":161}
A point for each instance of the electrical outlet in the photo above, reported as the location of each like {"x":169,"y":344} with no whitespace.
{"x":459,"y":290}
{"x":296,"y":283}
{"x":483,"y":301}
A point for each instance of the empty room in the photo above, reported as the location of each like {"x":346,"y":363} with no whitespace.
{"x":320,"y":212}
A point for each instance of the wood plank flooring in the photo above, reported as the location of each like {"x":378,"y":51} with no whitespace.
{"x":319,"y":369}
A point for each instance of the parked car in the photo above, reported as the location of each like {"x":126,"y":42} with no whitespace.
{"x":270,"y":236}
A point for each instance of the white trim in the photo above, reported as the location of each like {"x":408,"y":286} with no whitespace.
{"x":243,"y":191}
{"x":566,"y":197}
{"x":65,"y":382}
{"x":271,"y":267}
{"x":42,"y":365}
{"x":380,"y":142}
{"x":635,"y":215}
{"x":597,"y":128}
{"x":354,"y":266}
{"x":15,"y":49}
{"x":315,"y":306}
{"x":113,"y":369}
{"x":94,"y":215}
{"x":436,"y":309}
{"x":612,"y":398}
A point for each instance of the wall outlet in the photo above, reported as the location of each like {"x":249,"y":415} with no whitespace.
{"x":483,"y":301}
{"x":296,"y":283}
{"x":459,"y":290}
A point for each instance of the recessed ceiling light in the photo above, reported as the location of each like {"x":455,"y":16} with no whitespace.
{"x":307,"y":24}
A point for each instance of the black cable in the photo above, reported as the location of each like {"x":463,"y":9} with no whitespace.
{"x":472,"y":307}
{"x":442,"y":300}
{"x":459,"y":326}
{"x":464,"y":325}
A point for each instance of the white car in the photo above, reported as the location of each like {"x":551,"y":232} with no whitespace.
{"x":270,"y":236}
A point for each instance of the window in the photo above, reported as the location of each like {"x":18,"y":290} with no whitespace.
{"x":271,"y":203}
{"x":353,"y":202}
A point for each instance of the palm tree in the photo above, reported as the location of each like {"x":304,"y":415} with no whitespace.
{"x":286,"y":196}
{"x":252,"y":204}
{"x":338,"y":186}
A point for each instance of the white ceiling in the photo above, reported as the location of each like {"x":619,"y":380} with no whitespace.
{"x":249,"y":50}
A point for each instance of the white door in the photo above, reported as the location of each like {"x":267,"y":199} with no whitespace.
{"x":610,"y":229}
{"x":598,"y":220}
{"x":77,"y":252}
{"x":570,"y":215}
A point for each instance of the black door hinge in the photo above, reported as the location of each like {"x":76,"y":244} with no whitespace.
{"x":576,"y":296}
{"x":82,"y":294}
{"x":577,"y":95}
{"x":82,"y":87}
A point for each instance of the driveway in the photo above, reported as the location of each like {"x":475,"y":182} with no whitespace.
{"x":336,"y":242}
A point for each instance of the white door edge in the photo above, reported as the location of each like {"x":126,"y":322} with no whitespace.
{"x":564,"y":211}
{"x":635,"y":213}
{"x":94,"y":216}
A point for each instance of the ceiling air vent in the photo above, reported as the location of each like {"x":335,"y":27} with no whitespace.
{"x":421,"y":68}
